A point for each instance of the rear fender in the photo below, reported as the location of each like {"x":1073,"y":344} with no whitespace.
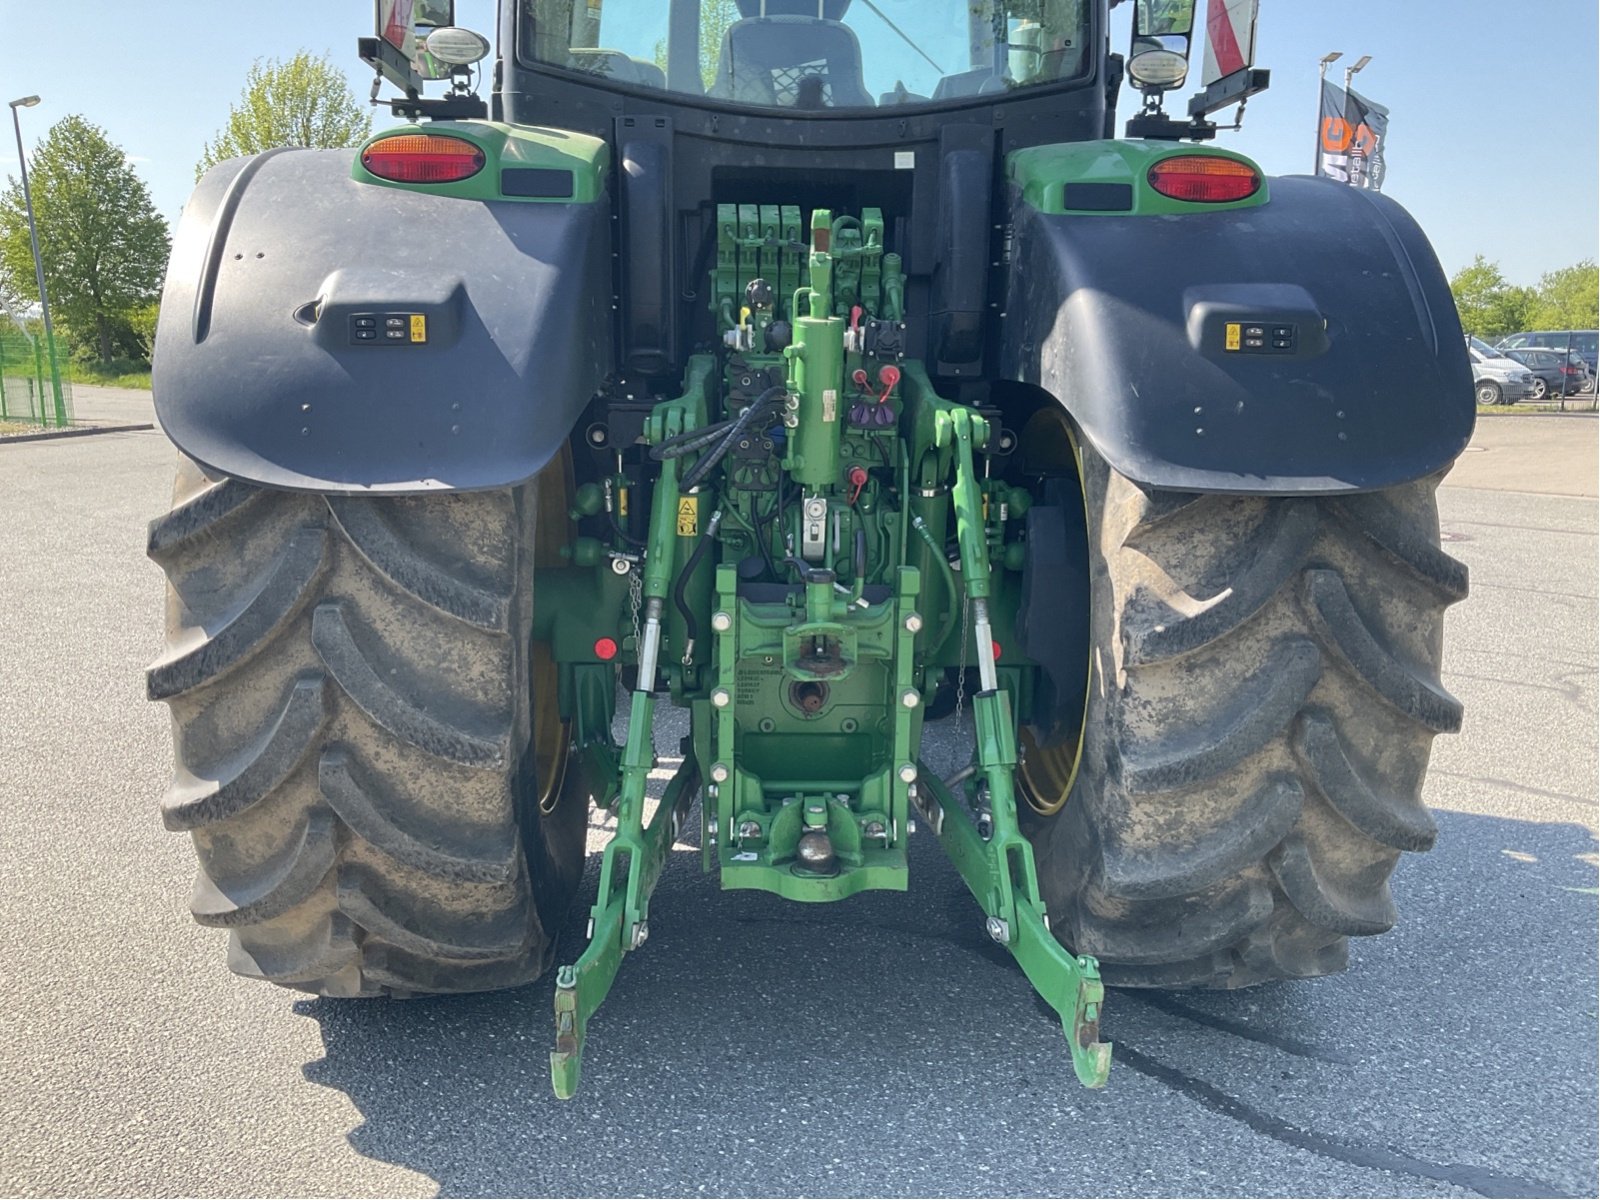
{"x":279,"y":263}
{"x":1126,"y":318}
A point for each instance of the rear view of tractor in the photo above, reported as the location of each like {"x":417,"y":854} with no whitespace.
{"x":826,"y":369}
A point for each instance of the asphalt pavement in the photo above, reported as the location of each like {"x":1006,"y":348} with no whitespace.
{"x":879,"y":1046}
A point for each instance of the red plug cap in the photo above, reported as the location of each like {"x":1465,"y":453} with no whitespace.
{"x":857,"y":478}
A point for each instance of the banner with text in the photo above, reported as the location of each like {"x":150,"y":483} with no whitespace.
{"x":1352,"y":136}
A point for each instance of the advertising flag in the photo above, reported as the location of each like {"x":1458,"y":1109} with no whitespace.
{"x":1352,"y":137}
{"x":1371,"y":121}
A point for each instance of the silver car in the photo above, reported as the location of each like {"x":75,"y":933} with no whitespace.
{"x":1498,"y":380}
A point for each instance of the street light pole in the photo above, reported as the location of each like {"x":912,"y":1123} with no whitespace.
{"x":38,"y":262}
{"x":1358,"y":161}
{"x":1322,"y":78}
{"x":1350,"y":72}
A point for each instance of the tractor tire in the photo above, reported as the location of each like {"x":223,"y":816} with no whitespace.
{"x":370,"y":760}
{"x":1263,"y":693}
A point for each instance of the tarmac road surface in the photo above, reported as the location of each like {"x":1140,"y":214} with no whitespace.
{"x":881,"y":1046}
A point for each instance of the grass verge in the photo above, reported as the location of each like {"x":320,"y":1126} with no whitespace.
{"x":121,"y":373}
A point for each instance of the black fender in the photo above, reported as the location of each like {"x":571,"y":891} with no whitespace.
{"x":1125,"y":320}
{"x":279,"y":262}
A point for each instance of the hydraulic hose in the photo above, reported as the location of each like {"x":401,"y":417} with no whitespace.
{"x":741,"y":426}
{"x":680,"y":444}
{"x":859,"y":563}
{"x":691,"y":627}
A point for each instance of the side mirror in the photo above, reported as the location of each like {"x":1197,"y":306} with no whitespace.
{"x":405,"y":25}
{"x":1162,"y":33}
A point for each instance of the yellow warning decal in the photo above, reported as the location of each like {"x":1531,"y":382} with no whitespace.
{"x":419,"y":327}
{"x":1234,"y":331}
{"x":689,"y":516}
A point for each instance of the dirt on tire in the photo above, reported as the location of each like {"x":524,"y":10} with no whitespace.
{"x":349,"y":682}
{"x":1265,"y":688}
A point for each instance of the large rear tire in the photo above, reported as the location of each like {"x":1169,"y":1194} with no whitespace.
{"x":1263,"y":694}
{"x":370,"y":758}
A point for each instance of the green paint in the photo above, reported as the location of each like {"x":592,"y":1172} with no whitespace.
{"x":508,"y":146}
{"x":1041,"y":173}
{"x":812,"y":656}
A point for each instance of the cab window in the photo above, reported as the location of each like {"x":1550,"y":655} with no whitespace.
{"x":813,"y":55}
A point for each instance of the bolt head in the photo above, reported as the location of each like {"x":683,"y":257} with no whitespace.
{"x":719,"y":773}
{"x":910,"y":698}
{"x":908,"y":773}
{"x":721,"y":622}
{"x":721,"y":697}
{"x":913,"y":622}
{"x":998,"y":930}
{"x":620,"y":566}
{"x":874,"y":829}
{"x":750,"y":829}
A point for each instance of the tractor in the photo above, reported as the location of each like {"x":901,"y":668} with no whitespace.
{"x":826,"y":368}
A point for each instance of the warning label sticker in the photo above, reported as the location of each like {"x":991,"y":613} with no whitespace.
{"x":1233,"y":332}
{"x":419,"y":327}
{"x":689,"y":516}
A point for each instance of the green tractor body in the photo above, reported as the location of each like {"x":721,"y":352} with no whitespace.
{"x":824,"y":411}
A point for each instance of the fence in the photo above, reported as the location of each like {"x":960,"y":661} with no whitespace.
{"x":30,"y":393}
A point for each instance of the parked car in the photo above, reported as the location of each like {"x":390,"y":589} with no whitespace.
{"x":1495,"y":378}
{"x":1585,"y":341}
{"x":1555,"y":372}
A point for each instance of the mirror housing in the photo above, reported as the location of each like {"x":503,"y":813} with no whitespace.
{"x":1158,"y":60}
{"x":402,"y":27}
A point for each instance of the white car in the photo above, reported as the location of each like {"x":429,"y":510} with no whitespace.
{"x":1496,"y":379}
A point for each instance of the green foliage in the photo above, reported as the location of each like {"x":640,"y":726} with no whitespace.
{"x":119,"y":373}
{"x":1489,"y":306}
{"x":142,"y":326}
{"x":306,"y":101}
{"x":715,"y":18}
{"x":1568,"y":298}
{"x":103,"y":244}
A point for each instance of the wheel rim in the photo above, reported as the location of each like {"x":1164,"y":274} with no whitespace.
{"x":1045,"y":774}
{"x":1541,"y":389}
{"x":552,"y":737}
{"x":1488,"y":393}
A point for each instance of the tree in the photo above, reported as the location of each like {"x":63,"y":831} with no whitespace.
{"x":1568,"y":298}
{"x":103,"y":245}
{"x":306,"y":101}
{"x":1487,"y":303}
{"x":716,"y":16}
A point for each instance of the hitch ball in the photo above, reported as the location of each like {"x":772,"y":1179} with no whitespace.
{"x":815,"y":852}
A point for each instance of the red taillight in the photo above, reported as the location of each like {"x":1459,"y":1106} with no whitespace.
{"x":1204,"y":179}
{"x":605,"y":649}
{"x":422,"y":158}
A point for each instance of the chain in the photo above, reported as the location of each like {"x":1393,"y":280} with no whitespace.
{"x":961,"y":666}
{"x":635,"y":602}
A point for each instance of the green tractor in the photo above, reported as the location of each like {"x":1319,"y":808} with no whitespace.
{"x":827,"y":369}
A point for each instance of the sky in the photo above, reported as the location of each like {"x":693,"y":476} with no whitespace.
{"x":1492,"y":138}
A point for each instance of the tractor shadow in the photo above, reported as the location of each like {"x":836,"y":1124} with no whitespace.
{"x":884,"y":1046}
